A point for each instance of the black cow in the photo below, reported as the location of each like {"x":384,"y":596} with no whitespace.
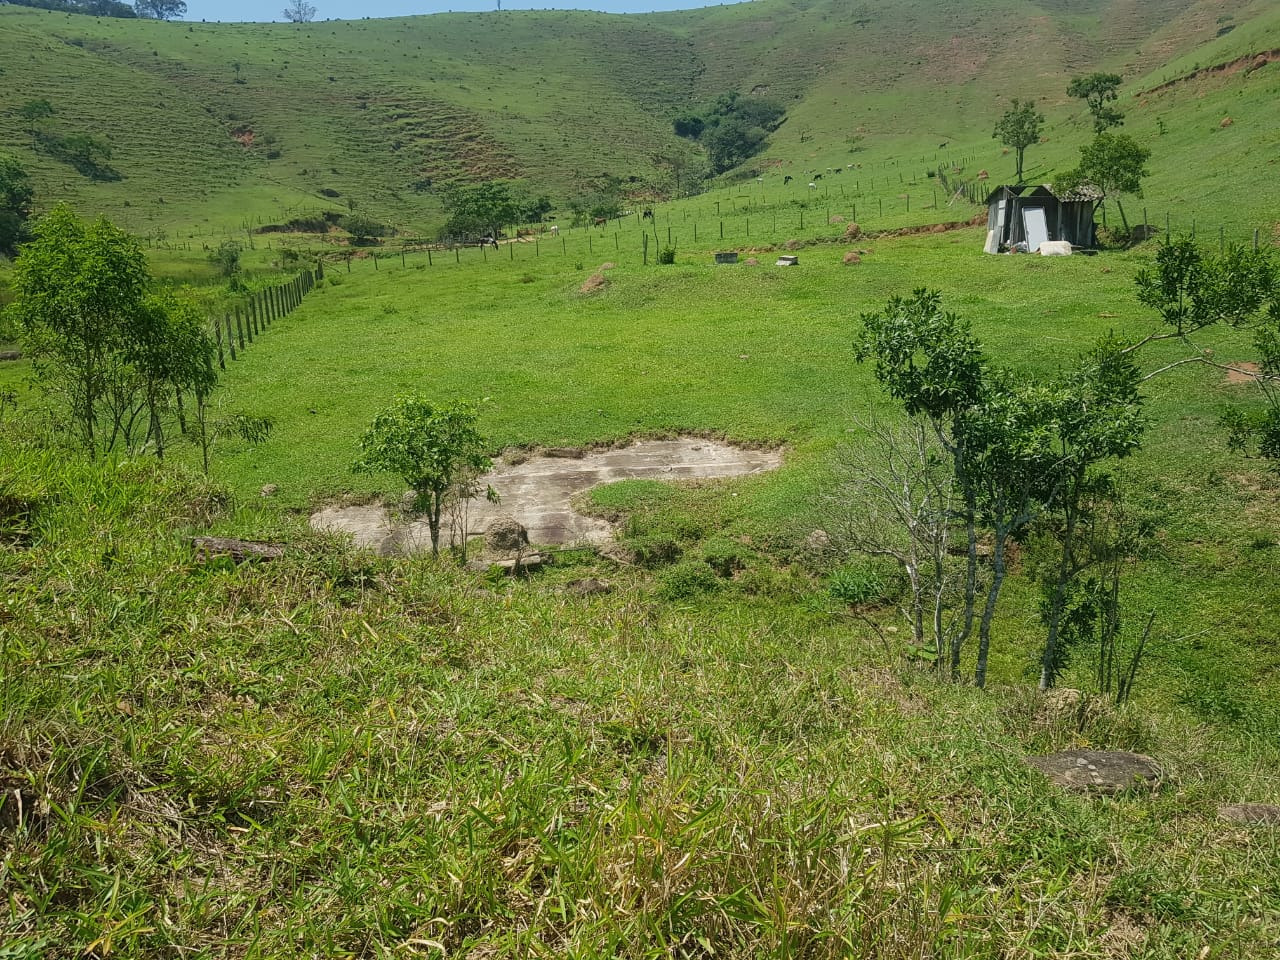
{"x":489,"y":242}
{"x":647,"y":215}
{"x":786,"y":180}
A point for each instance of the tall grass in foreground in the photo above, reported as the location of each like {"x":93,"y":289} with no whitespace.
{"x":342,"y":756}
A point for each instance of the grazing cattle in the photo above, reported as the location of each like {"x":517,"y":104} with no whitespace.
{"x":555,"y":230}
{"x":600,"y":221}
{"x":489,"y":242}
{"x":813,"y":186}
{"x":817,"y":176}
{"x":786,"y":180}
{"x":647,"y":215}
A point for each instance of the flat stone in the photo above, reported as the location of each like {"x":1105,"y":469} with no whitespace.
{"x":590,"y":587}
{"x":537,"y":491}
{"x":525,"y":564}
{"x":1105,"y":772}
{"x":1261,"y":814}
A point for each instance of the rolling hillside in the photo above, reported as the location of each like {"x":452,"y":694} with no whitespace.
{"x":224,"y":126}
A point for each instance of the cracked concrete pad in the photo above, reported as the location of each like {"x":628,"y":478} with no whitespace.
{"x":537,"y":492}
{"x":1098,"y":771}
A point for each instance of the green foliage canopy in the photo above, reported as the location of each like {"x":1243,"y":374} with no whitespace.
{"x":1019,"y":128}
{"x":15,"y":204}
{"x":99,"y":338}
{"x":1097,"y":90}
{"x":435,"y":448}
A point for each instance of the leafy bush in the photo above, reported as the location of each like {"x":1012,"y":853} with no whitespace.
{"x":667,"y":255}
{"x":726,"y":557}
{"x":689,"y":578}
{"x":859,"y":583}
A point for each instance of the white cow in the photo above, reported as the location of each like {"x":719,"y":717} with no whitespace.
{"x":555,"y":230}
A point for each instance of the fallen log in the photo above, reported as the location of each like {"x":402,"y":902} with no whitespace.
{"x":10,"y":354}
{"x":238,"y":550}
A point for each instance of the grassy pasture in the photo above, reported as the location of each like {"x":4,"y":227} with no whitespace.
{"x":337,"y":755}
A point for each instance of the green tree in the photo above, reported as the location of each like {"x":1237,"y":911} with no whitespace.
{"x":1098,"y":90}
{"x":226,"y":257}
{"x":100,"y":339}
{"x":434,"y":448}
{"x":363,"y":229}
{"x":1193,"y":289}
{"x":1019,"y":128}
{"x":1115,"y":164}
{"x":1098,"y":419}
{"x":89,"y":155}
{"x":929,"y":361}
{"x":299,"y":11}
{"x":15,"y":204}
{"x":160,"y":9}
{"x":33,"y":111}
{"x":480,"y":210}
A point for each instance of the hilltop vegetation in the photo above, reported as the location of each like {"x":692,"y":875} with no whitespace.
{"x":273,"y":120}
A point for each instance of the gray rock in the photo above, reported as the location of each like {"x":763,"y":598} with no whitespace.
{"x":1099,"y":771}
{"x":619,"y":553}
{"x":818,"y":542}
{"x":590,"y":587}
{"x":269,"y":490}
{"x":526,"y":564}
{"x":505,"y":535}
{"x":1258,"y":814}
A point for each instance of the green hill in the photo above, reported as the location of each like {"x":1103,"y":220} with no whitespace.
{"x":223,"y":126}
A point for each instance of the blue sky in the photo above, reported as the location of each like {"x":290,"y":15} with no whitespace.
{"x":258,"y":10}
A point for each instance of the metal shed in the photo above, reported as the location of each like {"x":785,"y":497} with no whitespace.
{"x":1027,"y":216}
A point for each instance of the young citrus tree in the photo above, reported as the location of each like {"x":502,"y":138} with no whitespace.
{"x":433,"y":447}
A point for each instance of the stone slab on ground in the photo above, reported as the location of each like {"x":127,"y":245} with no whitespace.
{"x":538,"y":491}
{"x":1259,"y":814}
{"x":1105,"y":772}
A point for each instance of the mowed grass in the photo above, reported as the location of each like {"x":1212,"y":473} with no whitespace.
{"x":758,"y":354}
{"x":342,"y":756}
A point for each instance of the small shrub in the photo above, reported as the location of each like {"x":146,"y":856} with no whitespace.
{"x":858,"y":584}
{"x":726,"y":557}
{"x":656,"y":550}
{"x":667,"y":255}
{"x":687,"y":579}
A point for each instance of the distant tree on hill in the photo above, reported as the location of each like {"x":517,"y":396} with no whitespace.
{"x":299,"y":11}
{"x":95,"y":8}
{"x":160,"y":9}
{"x":89,"y":155}
{"x":1019,"y":128}
{"x":362,"y":228}
{"x":480,"y":210}
{"x":33,"y":111}
{"x":733,"y":129}
{"x":15,"y":204}
{"x":1097,"y":90}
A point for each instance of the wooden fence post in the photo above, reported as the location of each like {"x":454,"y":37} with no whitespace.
{"x":239,"y":329}
{"x":217,"y":330}
{"x":231,"y":340}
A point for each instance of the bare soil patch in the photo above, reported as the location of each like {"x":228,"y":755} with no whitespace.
{"x":1244,"y":372}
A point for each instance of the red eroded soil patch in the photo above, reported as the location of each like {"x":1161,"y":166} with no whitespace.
{"x":1243,"y":373}
{"x":1249,"y":62}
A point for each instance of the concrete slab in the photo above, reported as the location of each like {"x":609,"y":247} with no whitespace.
{"x":538,"y":492}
